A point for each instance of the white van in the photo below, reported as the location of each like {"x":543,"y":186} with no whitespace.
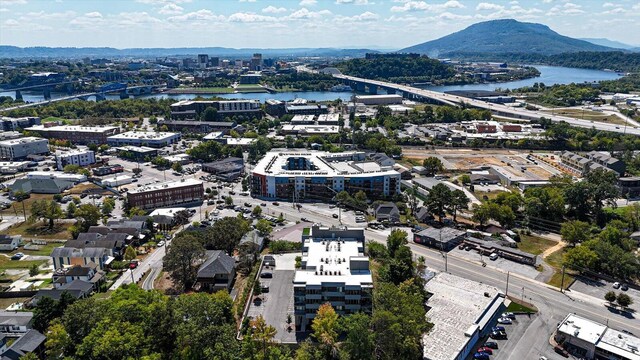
{"x":493,"y":257}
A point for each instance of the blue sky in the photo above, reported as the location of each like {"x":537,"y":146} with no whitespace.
{"x":389,"y":24}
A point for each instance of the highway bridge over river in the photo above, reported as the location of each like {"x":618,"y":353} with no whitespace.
{"x":521,"y":114}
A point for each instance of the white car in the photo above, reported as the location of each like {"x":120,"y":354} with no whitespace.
{"x":509,"y":315}
{"x":616,"y":285}
{"x":505,"y":320}
{"x":161,"y":243}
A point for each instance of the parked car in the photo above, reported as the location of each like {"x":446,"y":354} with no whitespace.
{"x":624,"y":287}
{"x":161,"y":243}
{"x":559,"y":350}
{"x":498,"y":335}
{"x":263,"y":204}
{"x":505,"y":320}
{"x":497,"y":328}
{"x":491,"y":344}
{"x":265,"y":289}
{"x":509,"y":315}
{"x":275,"y":203}
{"x":266,"y":275}
{"x":493,"y":257}
{"x":17,"y":256}
{"x":616,"y":285}
{"x":481,"y":356}
{"x":335,"y":216}
{"x":133,"y":265}
{"x":485,"y":349}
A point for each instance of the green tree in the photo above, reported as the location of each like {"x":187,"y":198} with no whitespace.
{"x":603,"y":189}
{"x":107,"y":208}
{"x":87,"y":215}
{"x":481,"y":214}
{"x":459,"y":201}
{"x":580,"y":258}
{"x":432,"y":165}
{"x":257,"y":211}
{"x":130,"y":253}
{"x":58,"y":341}
{"x":358,"y":343}
{"x":438,"y":199}
{"x":228,"y":201}
{"x":210,"y":114}
{"x":610,"y":296}
{"x":262,"y":333}
{"x":574,"y":231}
{"x":71,"y":210}
{"x":465,"y":179}
{"x":264,"y":227}
{"x":183,"y":256}
{"x":176,"y":166}
{"x":624,"y":300}
{"x":34,"y":270}
{"x":136,"y":211}
{"x":48,"y":210}
{"x":225,"y":234}
{"x":113,"y":340}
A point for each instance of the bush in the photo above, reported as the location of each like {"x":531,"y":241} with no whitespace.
{"x":281,"y":246}
{"x":118,"y":265}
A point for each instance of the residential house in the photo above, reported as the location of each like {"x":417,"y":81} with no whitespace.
{"x":252,"y":240}
{"x":89,"y":273}
{"x":9,"y":243}
{"x":31,"y":342}
{"x":217,"y":272}
{"x":78,"y":289}
{"x":113,"y":242}
{"x":15,"y":323}
{"x":387,"y":212}
{"x":66,"y":256}
{"x":423,"y":215}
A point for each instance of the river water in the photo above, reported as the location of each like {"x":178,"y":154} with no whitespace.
{"x":549,"y":75}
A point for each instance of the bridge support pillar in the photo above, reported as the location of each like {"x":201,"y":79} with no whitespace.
{"x":47,"y":93}
{"x":360,"y":87}
{"x":69,"y":89}
{"x":100,"y":97}
{"x":18,"y":95}
{"x":124,"y":95}
{"x":373,"y":89}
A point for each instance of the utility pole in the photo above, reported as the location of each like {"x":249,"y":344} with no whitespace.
{"x":506,"y":292}
{"x":562,"y":281}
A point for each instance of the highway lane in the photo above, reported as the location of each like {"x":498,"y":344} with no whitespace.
{"x":518,"y":113}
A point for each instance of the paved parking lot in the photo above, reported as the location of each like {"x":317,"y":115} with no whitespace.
{"x":278,"y":301}
{"x":598,"y":288}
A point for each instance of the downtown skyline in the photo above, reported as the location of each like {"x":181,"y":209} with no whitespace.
{"x":388,"y":24}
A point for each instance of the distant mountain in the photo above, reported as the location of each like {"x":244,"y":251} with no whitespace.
{"x":608,"y":43}
{"x":7,"y":51}
{"x":504,"y":36}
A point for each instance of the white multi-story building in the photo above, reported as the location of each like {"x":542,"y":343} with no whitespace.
{"x":21,"y":148}
{"x":75,"y":157}
{"x":144,"y":138}
{"x":300,"y":175}
{"x":334,"y":270}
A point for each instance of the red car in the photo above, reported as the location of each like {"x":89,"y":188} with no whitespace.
{"x":133,"y":265}
{"x":485,"y":349}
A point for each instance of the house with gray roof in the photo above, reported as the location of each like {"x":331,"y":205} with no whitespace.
{"x":31,"y":342}
{"x":387,"y":212}
{"x":445,"y":238}
{"x":68,"y":256}
{"x":40,"y":186}
{"x":217,"y":272}
{"x":15,"y":323}
{"x":253,"y":240}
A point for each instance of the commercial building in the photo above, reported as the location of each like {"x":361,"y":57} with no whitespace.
{"x":16,"y":124}
{"x":40,"y":186}
{"x":197,"y":126}
{"x":144,"y":138}
{"x":12,"y":167}
{"x":75,"y":178}
{"x":193,"y":109}
{"x":588,"y":339}
{"x":227,"y":169}
{"x":310,"y":175}
{"x":581,"y":165}
{"x":629,"y":186}
{"x":303,"y":120}
{"x":108,"y":170}
{"x":334,"y":270}
{"x":17,"y":149}
{"x":117,"y":180}
{"x":329,"y":119}
{"x":248,"y":79}
{"x":256,"y":62}
{"x":305,"y":109}
{"x":462,"y":312}
{"x":76,"y":134}
{"x":442,"y":239}
{"x":75,"y":157}
{"x":309,"y":130}
{"x":165,"y":194}
{"x":137,"y":153}
{"x":379,"y":99}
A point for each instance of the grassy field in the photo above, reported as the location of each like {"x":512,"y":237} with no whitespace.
{"x":6,"y":263}
{"x":250,"y":88}
{"x":490,"y":195}
{"x":534,"y":244}
{"x":5,"y":303}
{"x":201,"y":90}
{"x":17,"y":206}
{"x":588,"y":115}
{"x":555,"y":260}
{"x":38,"y":230}
{"x":517,"y":306}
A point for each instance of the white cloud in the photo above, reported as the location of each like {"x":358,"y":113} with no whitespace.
{"x":250,"y":18}
{"x":450,"y":16}
{"x":308,"y":2}
{"x":247,"y":1}
{"x":515,"y":11}
{"x":11,"y":23}
{"x":636,"y":7}
{"x":131,"y":19}
{"x":488,"y":6}
{"x":12,"y":2}
{"x":566,"y":9}
{"x":200,"y":15}
{"x":273,"y":10}
{"x":170,"y":9}
{"x":423,"y":6}
{"x":364,"y":17}
{"x":4,"y":9}
{"x":355,"y":2}
{"x":305,"y":13}
{"x":162,"y":2}
{"x":94,"y":15}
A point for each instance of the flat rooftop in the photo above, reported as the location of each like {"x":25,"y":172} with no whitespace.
{"x":328,"y":117}
{"x":166,"y":185}
{"x":582,"y":328}
{"x":621,"y":344}
{"x":311,"y":129}
{"x":72,"y":128}
{"x":303,"y":118}
{"x":72,"y":152}
{"x":321,"y":164}
{"x":456,"y":306}
{"x":149,"y":135}
{"x":24,"y":140}
{"x":136,"y":148}
{"x":329,"y":261}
